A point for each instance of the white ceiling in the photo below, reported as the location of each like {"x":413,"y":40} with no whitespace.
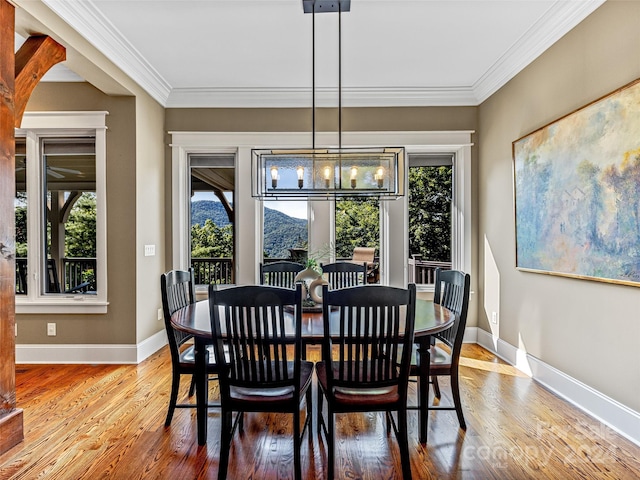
{"x":244,"y":53}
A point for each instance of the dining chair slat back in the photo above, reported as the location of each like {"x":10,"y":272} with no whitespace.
{"x":280,"y":274}
{"x":366,"y":351}
{"x":344,"y":274}
{"x":258,"y":329}
{"x":452,"y":292}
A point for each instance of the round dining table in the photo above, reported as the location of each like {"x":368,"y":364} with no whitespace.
{"x":430,"y":318}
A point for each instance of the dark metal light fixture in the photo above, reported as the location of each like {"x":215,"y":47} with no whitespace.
{"x":326,"y":173}
{"x":321,"y":6}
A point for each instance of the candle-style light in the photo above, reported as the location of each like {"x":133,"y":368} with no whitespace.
{"x":327,"y":176}
{"x":379,"y":176}
{"x":300,"y":171}
{"x":274,"y":177}
{"x":354,"y":174}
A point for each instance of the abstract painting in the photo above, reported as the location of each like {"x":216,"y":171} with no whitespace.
{"x":577,"y":192}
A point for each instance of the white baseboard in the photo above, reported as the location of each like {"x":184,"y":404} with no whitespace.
{"x":78,"y":354}
{"x":617,"y":416}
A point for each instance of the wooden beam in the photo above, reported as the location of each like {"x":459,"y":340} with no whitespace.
{"x":11,"y":418}
{"x":35,"y":57}
{"x":19,"y":75}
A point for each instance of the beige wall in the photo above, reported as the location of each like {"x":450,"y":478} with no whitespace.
{"x":150,"y":214}
{"x":118,"y":326}
{"x":586,"y":329}
{"x":300,"y":119}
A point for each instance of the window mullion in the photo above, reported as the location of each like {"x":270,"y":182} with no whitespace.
{"x":34,"y":214}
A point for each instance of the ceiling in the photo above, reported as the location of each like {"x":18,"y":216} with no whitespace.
{"x":258,"y":53}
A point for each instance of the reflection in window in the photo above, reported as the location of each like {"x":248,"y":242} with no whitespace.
{"x":69,"y":175}
{"x":20,"y":206}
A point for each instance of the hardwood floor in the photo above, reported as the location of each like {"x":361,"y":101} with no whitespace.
{"x":107,"y":421}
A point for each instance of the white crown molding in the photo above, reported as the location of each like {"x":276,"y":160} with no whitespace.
{"x":89,"y":22}
{"x":603,"y":408}
{"x":87,"y":19}
{"x":245,"y":97}
{"x":553,"y":25}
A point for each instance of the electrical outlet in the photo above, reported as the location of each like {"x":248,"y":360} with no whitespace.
{"x":51,"y":329}
{"x":149,"y":250}
{"x":159,"y":314}
{"x":494,"y":318}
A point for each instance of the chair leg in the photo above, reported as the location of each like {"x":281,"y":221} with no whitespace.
{"x":173,"y":398}
{"x":320,"y":417}
{"x":330,"y":444}
{"x":309,"y":402}
{"x":436,"y":386}
{"x":296,"y":446}
{"x":455,"y":390}
{"x":403,"y":444}
{"x":225,"y":443}
{"x":192,"y":387}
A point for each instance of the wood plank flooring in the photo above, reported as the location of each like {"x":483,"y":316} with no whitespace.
{"x":107,"y":422}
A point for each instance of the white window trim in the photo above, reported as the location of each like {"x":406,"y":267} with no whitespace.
{"x":394,"y":214}
{"x":64,"y":124}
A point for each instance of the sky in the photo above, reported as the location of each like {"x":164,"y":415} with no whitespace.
{"x":296,"y":209}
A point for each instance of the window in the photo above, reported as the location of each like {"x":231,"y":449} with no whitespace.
{"x":430,"y":207}
{"x":285,"y":231}
{"x":393,"y":249}
{"x":357,"y":224}
{"x":20,"y":206}
{"x":212,"y":213}
{"x":60,"y":214}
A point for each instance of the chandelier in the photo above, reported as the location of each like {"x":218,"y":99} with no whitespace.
{"x":327,"y":173}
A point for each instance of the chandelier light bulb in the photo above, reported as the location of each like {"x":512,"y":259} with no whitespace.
{"x":327,"y":176}
{"x":379,"y":176}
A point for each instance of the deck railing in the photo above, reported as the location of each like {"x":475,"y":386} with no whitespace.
{"x":424,"y":271}
{"x":212,"y":270}
{"x":78,"y":275}
{"x":78,"y":271}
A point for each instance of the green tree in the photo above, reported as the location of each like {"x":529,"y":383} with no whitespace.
{"x":357,"y":225}
{"x":21,"y":231}
{"x":80,"y":228}
{"x":211,"y":241}
{"x":430,"y":190}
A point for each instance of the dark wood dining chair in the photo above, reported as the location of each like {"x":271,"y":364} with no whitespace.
{"x":451,"y":291}
{"x":261,"y":328}
{"x":177,"y":287}
{"x":280,"y":274}
{"x":366,"y":351}
{"x":344,"y":274}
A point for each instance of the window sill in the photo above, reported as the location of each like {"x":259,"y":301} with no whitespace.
{"x":69,"y":305}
